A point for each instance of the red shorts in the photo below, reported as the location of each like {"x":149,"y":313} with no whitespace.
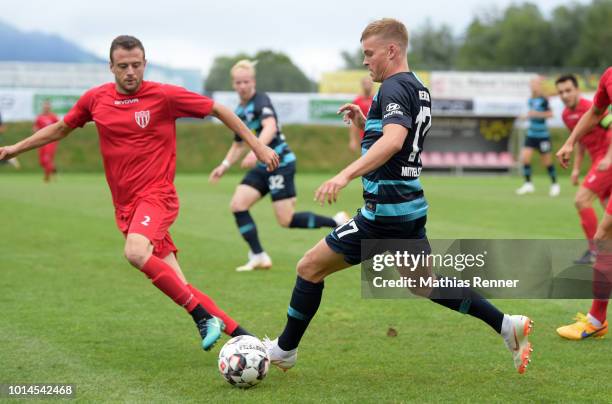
{"x":46,"y":155}
{"x":599,"y":182}
{"x":151,"y":217}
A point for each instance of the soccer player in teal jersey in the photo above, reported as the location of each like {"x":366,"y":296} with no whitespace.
{"x":395,"y":205}
{"x":258,"y":113}
{"x":538,"y":138}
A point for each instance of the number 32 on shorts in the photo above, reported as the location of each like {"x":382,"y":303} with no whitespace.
{"x":276,"y":182}
{"x":347,"y":228}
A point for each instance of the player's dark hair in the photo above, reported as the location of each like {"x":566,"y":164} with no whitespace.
{"x":567,"y":77}
{"x":127,"y":42}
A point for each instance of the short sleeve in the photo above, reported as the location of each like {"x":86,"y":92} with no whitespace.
{"x":187,"y":104}
{"x":604,"y":89}
{"x":80,"y":113}
{"x":396,"y":105}
{"x":264,"y":108}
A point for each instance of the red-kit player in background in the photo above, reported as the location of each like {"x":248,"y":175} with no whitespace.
{"x":595,"y":323}
{"x":135,"y":120}
{"x":597,"y":183}
{"x":363,"y":100}
{"x":46,"y":154}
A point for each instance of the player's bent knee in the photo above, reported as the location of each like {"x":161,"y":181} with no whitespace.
{"x":581,"y":203}
{"x":136,"y":255}
{"x":284,"y":220}
{"x":236,"y":206}
{"x":307,"y":268}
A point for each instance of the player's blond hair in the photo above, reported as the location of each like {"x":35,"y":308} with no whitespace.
{"x":387,"y":28}
{"x":244,"y":64}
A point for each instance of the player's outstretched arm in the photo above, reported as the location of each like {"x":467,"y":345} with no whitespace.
{"x":233,"y":155}
{"x":51,"y":133}
{"x":606,"y":162}
{"x":584,"y":126}
{"x":578,"y":157}
{"x":267,"y":134}
{"x":353,"y":138}
{"x":352,"y":113}
{"x":264,"y":154}
{"x":389,"y":144}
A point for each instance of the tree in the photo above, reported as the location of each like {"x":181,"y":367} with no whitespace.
{"x":520,"y":37}
{"x":275,"y":72}
{"x":432,"y":47}
{"x":353,"y":60}
{"x":525,"y":38}
{"x":594,"y":38}
{"x":566,"y":23}
{"x":478,"y":48}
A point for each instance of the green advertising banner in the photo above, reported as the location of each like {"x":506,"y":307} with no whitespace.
{"x":60,"y":103}
{"x":325,"y":110}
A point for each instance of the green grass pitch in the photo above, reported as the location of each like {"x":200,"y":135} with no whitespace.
{"x":74,"y":311}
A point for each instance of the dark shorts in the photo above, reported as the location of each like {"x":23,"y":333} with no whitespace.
{"x":279,"y":183}
{"x":346,"y":239}
{"x":543,"y":145}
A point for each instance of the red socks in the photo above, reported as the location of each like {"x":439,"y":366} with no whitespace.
{"x":588,"y":220}
{"x":210,"y":306}
{"x":602,"y":285}
{"x":165,"y":279}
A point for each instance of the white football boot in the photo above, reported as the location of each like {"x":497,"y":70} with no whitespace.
{"x":526,"y":188}
{"x":284,"y":360}
{"x":256,"y":261}
{"x":515,"y":330}
{"x":555,"y":190}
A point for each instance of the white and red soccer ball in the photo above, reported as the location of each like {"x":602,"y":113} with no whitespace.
{"x":243,"y":361}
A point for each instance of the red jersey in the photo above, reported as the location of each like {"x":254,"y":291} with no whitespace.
{"x":44,"y":120}
{"x":596,"y":142}
{"x":138,"y":134}
{"x":603,"y":96}
{"x":364,"y":104}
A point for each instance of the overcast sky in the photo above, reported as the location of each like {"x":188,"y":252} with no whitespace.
{"x":190,"y":33}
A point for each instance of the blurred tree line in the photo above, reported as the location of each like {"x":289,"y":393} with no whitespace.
{"x":519,"y":37}
{"x":275,"y":72}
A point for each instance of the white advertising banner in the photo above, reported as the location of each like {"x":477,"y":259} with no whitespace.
{"x":292,"y":108}
{"x":297,"y":108}
{"x":463,"y":85}
{"x":16,"y":105}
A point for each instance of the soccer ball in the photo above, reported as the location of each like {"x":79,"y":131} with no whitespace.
{"x":243,"y":361}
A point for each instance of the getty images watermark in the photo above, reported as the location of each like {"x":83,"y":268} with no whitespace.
{"x":522,"y":269}
{"x":405,"y":261}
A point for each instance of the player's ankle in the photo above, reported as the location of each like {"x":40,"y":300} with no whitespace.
{"x":594,"y":320}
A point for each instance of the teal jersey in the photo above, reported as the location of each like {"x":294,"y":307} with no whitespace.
{"x":258,"y":108}
{"x":537,"y":126}
{"x":393,"y":193}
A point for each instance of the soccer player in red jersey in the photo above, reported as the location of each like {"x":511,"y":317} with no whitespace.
{"x":595,"y":323}
{"x":46,"y":154}
{"x":364,"y":100}
{"x":136,"y":126}
{"x":597,"y":183}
